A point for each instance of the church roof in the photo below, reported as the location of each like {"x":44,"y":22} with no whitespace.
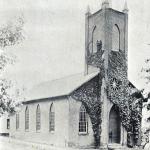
{"x":59,"y":87}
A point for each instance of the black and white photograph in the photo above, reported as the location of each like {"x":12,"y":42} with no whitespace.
{"x":74,"y":75}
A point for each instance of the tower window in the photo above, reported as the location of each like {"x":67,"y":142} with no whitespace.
{"x":116,"y":38}
{"x":38,"y":118}
{"x":83,"y":122}
{"x":27,"y":118}
{"x":51,"y":118}
{"x":94,"y":40}
{"x":17,"y":121}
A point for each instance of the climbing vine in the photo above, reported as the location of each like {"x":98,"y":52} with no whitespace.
{"x":88,"y":94}
{"x":119,"y":90}
{"x":125,"y":96}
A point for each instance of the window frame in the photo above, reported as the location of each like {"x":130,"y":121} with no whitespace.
{"x":17,"y":121}
{"x":38,"y":118}
{"x":52,"y":118}
{"x":119,"y":35}
{"x":84,"y":124}
{"x":27,"y":118}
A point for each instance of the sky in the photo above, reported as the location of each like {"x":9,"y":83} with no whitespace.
{"x":54,"y":38}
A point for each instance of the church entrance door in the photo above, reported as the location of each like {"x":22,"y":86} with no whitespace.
{"x":114,"y":125}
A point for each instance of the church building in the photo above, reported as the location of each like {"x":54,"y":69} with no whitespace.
{"x":94,"y":109}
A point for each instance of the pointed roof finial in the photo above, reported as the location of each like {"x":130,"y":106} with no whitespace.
{"x":88,"y":11}
{"x":105,"y":4}
{"x":88,"y":8}
{"x":125,"y":10}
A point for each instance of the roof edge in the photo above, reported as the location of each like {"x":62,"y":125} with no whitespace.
{"x":83,"y":83}
{"x":44,"y":99}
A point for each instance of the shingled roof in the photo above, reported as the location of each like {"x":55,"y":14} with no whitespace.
{"x":59,"y":87}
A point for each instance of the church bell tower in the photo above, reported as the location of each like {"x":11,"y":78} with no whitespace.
{"x":106,"y":29}
{"x":106,"y":49}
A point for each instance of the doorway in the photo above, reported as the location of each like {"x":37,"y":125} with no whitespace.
{"x":114,"y":125}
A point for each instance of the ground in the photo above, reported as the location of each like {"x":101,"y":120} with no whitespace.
{"x":13,"y":144}
{"x":6,"y":144}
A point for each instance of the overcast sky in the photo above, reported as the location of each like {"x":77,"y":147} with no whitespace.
{"x":54,"y":31}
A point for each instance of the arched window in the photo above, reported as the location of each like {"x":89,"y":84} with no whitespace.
{"x":52,"y":118}
{"x":17,"y":121}
{"x":38,"y":118}
{"x":83,"y":121}
{"x":94,"y":38}
{"x":27,"y":118}
{"x":116,"y":38}
{"x":114,"y":125}
{"x":91,"y":43}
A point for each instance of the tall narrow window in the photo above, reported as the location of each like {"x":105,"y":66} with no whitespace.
{"x":17,"y":121}
{"x":116,"y":38}
{"x":94,"y":38}
{"x":8,"y":123}
{"x":83,"y":121}
{"x":52,"y":118}
{"x":38,"y":118}
{"x":27,"y":118}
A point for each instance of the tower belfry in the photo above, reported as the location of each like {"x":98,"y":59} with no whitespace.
{"x":108,"y":27}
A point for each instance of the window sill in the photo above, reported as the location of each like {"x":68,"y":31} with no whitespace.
{"x":52,"y":132}
{"x":27,"y":130}
{"x":83,"y":133}
{"x":114,"y":145}
{"x":38,"y":131}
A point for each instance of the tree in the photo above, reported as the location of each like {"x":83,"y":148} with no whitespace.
{"x":146,"y":76}
{"x":146,"y":73}
{"x":11,"y":34}
{"x":146,"y":107}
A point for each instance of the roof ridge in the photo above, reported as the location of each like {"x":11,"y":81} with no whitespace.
{"x":71,"y":75}
{"x":67,"y":76}
{"x":59,"y":78}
